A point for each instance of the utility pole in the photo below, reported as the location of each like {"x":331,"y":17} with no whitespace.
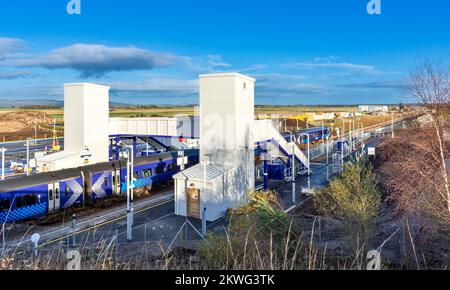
{"x":309,"y":157}
{"x":132,"y":186}
{"x":294,"y":172}
{"x":328,"y":160}
{"x":35,"y":131}
{"x":350,"y":136}
{"x":3,"y":150}
{"x":342,"y":154}
{"x":28,"y":157}
{"x":392,"y":125}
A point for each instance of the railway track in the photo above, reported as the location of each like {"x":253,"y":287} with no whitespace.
{"x":88,"y":223}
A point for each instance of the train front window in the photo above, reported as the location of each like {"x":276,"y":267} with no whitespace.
{"x":106,"y":182}
{"x":5,"y":204}
{"x":26,"y":200}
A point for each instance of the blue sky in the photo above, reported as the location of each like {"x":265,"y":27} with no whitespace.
{"x":151,"y":52}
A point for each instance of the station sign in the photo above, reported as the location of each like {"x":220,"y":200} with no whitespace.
{"x":85,"y":155}
{"x":182,"y":161}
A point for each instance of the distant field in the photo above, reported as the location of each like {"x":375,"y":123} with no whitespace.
{"x":303,"y":109}
{"x":153,"y":112}
{"x":58,"y":114}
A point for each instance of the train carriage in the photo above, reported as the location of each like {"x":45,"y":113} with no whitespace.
{"x":46,"y":193}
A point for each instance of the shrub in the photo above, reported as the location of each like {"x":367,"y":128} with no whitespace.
{"x":352,"y":197}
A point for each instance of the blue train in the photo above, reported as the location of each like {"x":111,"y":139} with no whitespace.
{"x":316,"y":135}
{"x":47,"y":193}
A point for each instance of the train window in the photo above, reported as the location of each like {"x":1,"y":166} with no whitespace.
{"x":136,"y":175}
{"x":26,"y":200}
{"x":50,"y":194}
{"x":105,"y":182}
{"x":147,"y":172}
{"x":67,"y":190}
{"x":5,"y":204}
{"x":160,"y":168}
{"x":57,"y":193}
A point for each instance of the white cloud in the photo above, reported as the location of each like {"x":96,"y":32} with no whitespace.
{"x":14,"y":75}
{"x":97,"y":60}
{"x":369,"y":69}
{"x":163,"y":84}
{"x":277,"y":76}
{"x":204,"y":64}
{"x":10,"y":46}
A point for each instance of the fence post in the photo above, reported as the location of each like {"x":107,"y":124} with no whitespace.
{"x":3,"y":239}
{"x":204,"y":222}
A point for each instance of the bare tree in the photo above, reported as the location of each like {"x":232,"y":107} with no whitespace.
{"x":429,"y":85}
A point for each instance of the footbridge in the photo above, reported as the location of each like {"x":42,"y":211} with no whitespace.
{"x":163,"y":134}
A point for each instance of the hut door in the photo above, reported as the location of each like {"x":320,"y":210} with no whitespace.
{"x":193,"y":203}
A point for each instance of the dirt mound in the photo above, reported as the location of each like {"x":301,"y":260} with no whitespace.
{"x":18,"y":121}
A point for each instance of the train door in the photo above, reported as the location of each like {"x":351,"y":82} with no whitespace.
{"x":54,"y":197}
{"x":116,"y":184}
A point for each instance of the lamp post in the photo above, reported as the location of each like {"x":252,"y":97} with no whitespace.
{"x":308,"y":151}
{"x":323,"y":133}
{"x":3,"y":150}
{"x":130,"y":185}
{"x":309,"y":156}
{"x":27,"y":169}
{"x":328,"y":159}
{"x":293,"y":171}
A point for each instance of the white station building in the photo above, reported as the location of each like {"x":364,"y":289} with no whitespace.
{"x":226,"y":127}
{"x":225,"y":174}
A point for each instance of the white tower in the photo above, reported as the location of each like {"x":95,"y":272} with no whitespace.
{"x":227,"y":114}
{"x":86,"y":120}
{"x":226,"y":173}
{"x":86,"y":126}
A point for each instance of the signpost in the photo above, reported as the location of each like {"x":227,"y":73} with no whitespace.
{"x":35,"y":240}
{"x":182,"y":160}
{"x":85,"y":155}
